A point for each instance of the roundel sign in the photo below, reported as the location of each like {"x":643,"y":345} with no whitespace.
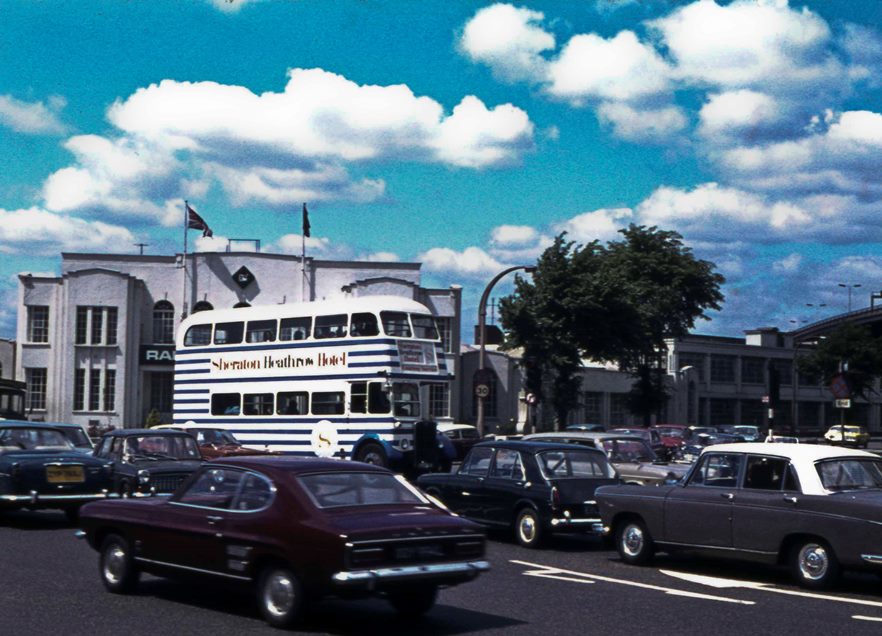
{"x":323,"y":440}
{"x":481,"y":382}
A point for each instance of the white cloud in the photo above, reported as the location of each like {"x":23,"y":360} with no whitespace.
{"x":742,"y":111}
{"x":601,"y":225}
{"x":37,"y":231}
{"x":507,"y":235}
{"x":34,"y":118}
{"x":471,"y":262}
{"x":380,"y":257}
{"x":315,"y":246}
{"x":790,"y":263}
{"x":231,"y":6}
{"x":509,"y":40}
{"x":642,"y":124}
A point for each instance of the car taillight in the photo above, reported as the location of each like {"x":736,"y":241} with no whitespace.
{"x":555,"y":497}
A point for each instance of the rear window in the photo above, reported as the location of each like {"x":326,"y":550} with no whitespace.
{"x":333,"y":490}
{"x":574,"y":464}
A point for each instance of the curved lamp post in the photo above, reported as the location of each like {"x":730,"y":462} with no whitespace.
{"x":482,"y":319}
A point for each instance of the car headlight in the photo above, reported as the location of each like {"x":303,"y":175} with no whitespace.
{"x":143,"y":477}
{"x":405,"y":444}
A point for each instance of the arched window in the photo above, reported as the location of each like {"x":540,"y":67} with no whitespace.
{"x":163,"y":322}
{"x":202,"y":305}
{"x":242,"y":304}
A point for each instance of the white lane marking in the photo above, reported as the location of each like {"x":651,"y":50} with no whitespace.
{"x":547,"y":571}
{"x":765,"y":587}
{"x":874,"y":619}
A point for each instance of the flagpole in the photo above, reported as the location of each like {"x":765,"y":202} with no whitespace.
{"x":184,"y":261}
{"x":303,"y":257}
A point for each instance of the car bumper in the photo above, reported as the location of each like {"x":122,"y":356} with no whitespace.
{"x":443,"y":572}
{"x":569,"y":524}
{"x":35,"y":498}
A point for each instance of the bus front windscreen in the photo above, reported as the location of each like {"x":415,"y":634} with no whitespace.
{"x":406,"y":399}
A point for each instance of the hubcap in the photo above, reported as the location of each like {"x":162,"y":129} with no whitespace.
{"x":114,"y":564}
{"x":632,"y":540}
{"x":373,"y":457}
{"x":813,"y":561}
{"x":528,"y":528}
{"x":278,"y":594}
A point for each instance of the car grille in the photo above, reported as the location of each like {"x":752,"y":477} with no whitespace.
{"x":370,"y":554}
{"x":167,"y":483}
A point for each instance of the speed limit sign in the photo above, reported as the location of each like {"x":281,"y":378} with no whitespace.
{"x":482,"y":390}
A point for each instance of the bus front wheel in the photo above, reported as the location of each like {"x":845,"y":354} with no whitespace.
{"x":372,"y":453}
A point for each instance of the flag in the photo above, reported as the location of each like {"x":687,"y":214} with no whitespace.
{"x":305,"y":221}
{"x":196,"y":222}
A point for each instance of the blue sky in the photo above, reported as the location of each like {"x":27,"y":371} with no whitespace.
{"x":463,"y":135}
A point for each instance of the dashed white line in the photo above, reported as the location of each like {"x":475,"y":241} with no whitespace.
{"x":874,"y":619}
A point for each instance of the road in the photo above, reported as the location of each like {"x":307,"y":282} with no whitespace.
{"x":50,"y":584}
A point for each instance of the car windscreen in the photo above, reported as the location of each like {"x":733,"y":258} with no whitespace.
{"x":77,"y":437}
{"x":22,"y":438}
{"x":671,"y":432}
{"x":339,"y":489}
{"x":627,"y":450}
{"x":162,"y":447}
{"x":849,"y":473}
{"x":574,"y":464}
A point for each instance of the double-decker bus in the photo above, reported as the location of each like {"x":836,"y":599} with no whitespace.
{"x":337,"y":378}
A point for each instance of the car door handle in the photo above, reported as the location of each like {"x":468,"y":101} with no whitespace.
{"x":790,"y":499}
{"x":466,"y":493}
{"x":728,"y":495}
{"x":213,"y":520}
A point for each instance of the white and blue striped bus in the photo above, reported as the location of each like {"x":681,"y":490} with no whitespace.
{"x":337,"y":378}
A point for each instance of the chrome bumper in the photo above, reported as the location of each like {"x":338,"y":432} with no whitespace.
{"x":594,"y":525}
{"x":875,"y":559}
{"x":469,"y":569}
{"x":33,"y":497}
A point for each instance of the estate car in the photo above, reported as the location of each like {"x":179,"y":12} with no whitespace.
{"x":816,"y":508}
{"x":291,"y":529}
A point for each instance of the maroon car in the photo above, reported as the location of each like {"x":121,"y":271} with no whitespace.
{"x":215,"y":442}
{"x":290,"y":528}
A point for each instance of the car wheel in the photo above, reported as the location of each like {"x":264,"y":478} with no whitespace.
{"x":528,"y":528}
{"x":414,"y":601}
{"x":118,"y":570}
{"x":279,"y":596}
{"x":814,"y":564}
{"x":372,"y":453}
{"x":634,"y":542}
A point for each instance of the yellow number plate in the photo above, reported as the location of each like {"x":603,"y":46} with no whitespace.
{"x":65,"y":474}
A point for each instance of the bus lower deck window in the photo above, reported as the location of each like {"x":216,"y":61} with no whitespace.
{"x":258,"y":404}
{"x":225,"y":403}
{"x":292,"y":403}
{"x":327,"y":403}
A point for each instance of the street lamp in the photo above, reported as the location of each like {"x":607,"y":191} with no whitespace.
{"x":849,"y":287}
{"x":482,"y":319}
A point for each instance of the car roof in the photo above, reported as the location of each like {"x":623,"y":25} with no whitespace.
{"x":583,"y":435}
{"x":132,"y":432}
{"x":450,"y":426}
{"x":531,"y":446}
{"x":802,"y":452}
{"x":27,"y":424}
{"x":296,"y":465}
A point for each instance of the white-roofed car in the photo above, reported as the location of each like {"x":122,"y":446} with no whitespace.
{"x":462,"y":436}
{"x":815,"y":508}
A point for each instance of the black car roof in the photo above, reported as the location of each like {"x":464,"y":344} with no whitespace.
{"x":531,"y":446}
{"x":297,"y":465}
{"x":132,"y":432}
{"x":26,"y":424}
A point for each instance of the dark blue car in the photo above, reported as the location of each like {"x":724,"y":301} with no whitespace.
{"x":40,"y":468}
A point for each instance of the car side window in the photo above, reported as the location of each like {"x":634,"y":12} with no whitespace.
{"x":256,"y":493}
{"x":765,"y":473}
{"x":717,"y":469}
{"x":791,"y":481}
{"x":477,"y":462}
{"x":508,"y":465}
{"x":213,"y":488}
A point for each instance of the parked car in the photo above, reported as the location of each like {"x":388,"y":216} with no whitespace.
{"x":147,"y":461}
{"x":40,"y":468}
{"x":748,"y":432}
{"x":588,"y":428}
{"x":673,"y":436}
{"x":848,"y":435}
{"x":633,"y":459}
{"x":462,"y":436}
{"x":292,"y":529}
{"x":214,"y":442}
{"x":535,"y":488}
{"x":652,"y":437}
{"x":74,"y":433}
{"x":815,"y":508}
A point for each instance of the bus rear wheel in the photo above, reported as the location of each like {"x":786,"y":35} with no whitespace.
{"x":372,"y":453}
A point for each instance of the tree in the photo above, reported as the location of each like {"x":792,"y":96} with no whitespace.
{"x":614,"y":303}
{"x":848,"y":348}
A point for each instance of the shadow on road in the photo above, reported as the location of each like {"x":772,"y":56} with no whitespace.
{"x":331,"y":616}
{"x":35,"y":520}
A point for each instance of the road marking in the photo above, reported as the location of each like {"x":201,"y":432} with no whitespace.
{"x":547,"y":571}
{"x":874,"y":619}
{"x":721,"y":583}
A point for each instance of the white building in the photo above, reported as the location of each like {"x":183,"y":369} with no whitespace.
{"x":95,"y":345}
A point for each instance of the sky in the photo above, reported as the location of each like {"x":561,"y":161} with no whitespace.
{"x":462,"y":135}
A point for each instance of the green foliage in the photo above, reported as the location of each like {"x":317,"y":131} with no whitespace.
{"x":610,"y":303}
{"x":847,"y":346}
{"x":153,"y":418}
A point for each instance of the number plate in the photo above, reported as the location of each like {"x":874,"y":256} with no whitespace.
{"x":431,"y":551}
{"x":65,"y":474}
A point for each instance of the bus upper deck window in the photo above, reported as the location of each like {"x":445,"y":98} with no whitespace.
{"x":363,"y":325}
{"x":197,"y":335}
{"x":424,"y":327}
{"x":261,"y":331}
{"x":395,"y":323}
{"x":331,"y":326}
{"x":295,"y":328}
{"x":228,"y":332}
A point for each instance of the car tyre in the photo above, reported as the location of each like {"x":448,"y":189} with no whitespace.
{"x":528,"y":528}
{"x":634,"y":543}
{"x":118,"y":570}
{"x":372,"y":453}
{"x":279,"y":595}
{"x":814,"y":564}
{"x":413,"y":602}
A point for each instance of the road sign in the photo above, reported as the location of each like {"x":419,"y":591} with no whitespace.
{"x":843,"y":404}
{"x":765,"y":399}
{"x":481,"y":382}
{"x":482,"y":390}
{"x":839,"y":386}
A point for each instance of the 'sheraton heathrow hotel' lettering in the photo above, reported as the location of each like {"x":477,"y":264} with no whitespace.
{"x":283,"y":362}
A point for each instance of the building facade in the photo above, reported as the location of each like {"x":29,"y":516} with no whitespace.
{"x":95,"y":345}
